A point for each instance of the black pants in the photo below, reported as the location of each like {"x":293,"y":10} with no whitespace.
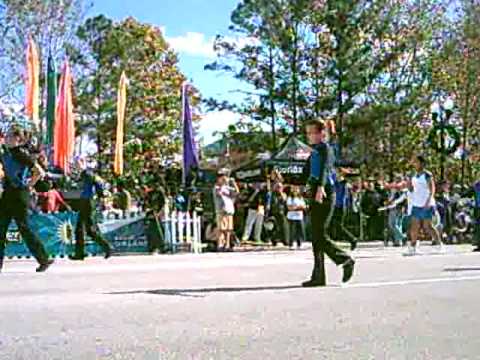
{"x":14,"y":205}
{"x":376,"y":227}
{"x":321,"y":215}
{"x":338,"y":222}
{"x":87,"y":223}
{"x":297,"y":232}
{"x":281,"y":229}
{"x":476,"y":226}
{"x":155,"y":238}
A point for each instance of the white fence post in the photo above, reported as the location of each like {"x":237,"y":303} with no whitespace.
{"x":188,"y":223}
{"x":173,"y":225}
{"x":196,"y":243}
{"x":183,"y":228}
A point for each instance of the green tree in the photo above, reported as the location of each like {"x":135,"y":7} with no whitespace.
{"x":153,"y":118}
{"x":456,"y":73}
{"x":52,"y":24}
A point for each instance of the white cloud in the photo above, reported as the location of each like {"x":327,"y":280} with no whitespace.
{"x":216,"y":121}
{"x":192,"y":43}
{"x":198,"y":44}
{"x":242,"y":41}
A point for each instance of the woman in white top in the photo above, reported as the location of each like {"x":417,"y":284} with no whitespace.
{"x":296,"y":207}
{"x":422,"y":188}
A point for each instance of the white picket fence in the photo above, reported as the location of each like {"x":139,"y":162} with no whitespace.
{"x":183,"y":229}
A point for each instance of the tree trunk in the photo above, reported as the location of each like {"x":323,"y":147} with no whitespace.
{"x":295,"y":78}
{"x":271,"y":97}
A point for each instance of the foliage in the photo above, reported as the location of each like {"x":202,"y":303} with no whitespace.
{"x":366,"y":64}
{"x":153,"y":118}
{"x":52,"y":24}
{"x":456,"y":73}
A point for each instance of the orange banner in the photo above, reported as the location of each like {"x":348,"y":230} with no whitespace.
{"x":121,"y":105}
{"x":64,"y":132}
{"x":32,"y":83}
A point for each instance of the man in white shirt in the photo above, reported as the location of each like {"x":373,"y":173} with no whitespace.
{"x":423,"y":203}
{"x":296,"y":207}
{"x":225,"y":192}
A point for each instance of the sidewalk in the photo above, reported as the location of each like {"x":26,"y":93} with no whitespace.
{"x":305,"y":246}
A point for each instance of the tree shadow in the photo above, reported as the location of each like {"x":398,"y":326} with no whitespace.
{"x":201,"y":292}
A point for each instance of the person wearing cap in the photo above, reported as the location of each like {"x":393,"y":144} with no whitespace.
{"x":20,"y":173}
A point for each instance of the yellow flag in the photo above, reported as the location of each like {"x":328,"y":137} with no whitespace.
{"x":32,"y":83}
{"x":121,"y":104}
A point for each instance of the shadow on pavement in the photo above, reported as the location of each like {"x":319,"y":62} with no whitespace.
{"x":202,"y":291}
{"x":462,"y":268}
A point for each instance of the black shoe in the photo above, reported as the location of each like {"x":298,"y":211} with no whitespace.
{"x":75,"y":257}
{"x":477,"y":249}
{"x":313,"y":283}
{"x":1,"y":264}
{"x":43,"y":267}
{"x":353,"y":245}
{"x":348,"y":270}
{"x":108,"y":252}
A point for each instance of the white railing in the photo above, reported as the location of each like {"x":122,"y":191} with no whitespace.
{"x":183,"y":228}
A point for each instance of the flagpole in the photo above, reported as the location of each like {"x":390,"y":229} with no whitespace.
{"x":184,"y":179}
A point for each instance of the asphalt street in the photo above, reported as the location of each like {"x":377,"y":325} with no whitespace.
{"x":243,"y":306}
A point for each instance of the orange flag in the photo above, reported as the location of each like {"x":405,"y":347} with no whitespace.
{"x":64,"y":131}
{"x":32,"y":83}
{"x":121,"y":104}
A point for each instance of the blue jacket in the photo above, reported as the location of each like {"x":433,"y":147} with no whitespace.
{"x":91,"y":185}
{"x":17,"y":165}
{"x":321,"y":162}
{"x":476,"y":189}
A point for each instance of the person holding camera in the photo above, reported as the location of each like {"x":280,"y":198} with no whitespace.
{"x":226,"y":190}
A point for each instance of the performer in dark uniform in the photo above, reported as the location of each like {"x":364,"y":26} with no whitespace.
{"x":20,"y":173}
{"x":92,"y":185}
{"x":321,"y":164}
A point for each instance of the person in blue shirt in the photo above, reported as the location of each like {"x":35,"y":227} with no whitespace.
{"x":476,"y":215}
{"x":92,"y":185}
{"x":321,"y":166}
{"x":339,"y":212}
{"x":20,"y":172}
{"x":340,"y":187}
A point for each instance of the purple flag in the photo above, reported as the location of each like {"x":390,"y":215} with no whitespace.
{"x":190,"y":155}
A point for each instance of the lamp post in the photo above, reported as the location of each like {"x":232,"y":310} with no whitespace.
{"x":441,"y":113}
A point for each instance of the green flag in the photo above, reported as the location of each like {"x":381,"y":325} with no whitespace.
{"x":51,"y":99}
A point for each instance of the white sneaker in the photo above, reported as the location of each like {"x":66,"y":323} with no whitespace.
{"x":441,"y":248}
{"x":411,"y":251}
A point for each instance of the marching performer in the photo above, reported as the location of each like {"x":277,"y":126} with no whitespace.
{"x":20,"y":172}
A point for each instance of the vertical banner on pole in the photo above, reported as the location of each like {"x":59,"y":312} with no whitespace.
{"x":190,"y":153}
{"x":64,"y":133}
{"x":32,"y":84}
{"x":121,"y":104}
{"x":51,"y":100}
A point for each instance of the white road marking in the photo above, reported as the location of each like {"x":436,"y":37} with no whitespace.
{"x":411,"y":282}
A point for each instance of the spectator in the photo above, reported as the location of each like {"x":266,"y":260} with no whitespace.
{"x":225,"y":192}
{"x":122,"y":199}
{"x":52,"y":200}
{"x":277,"y":210}
{"x":256,"y":213}
{"x":296,"y":208}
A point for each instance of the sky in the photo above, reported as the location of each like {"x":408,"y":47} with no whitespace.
{"x":190,"y":27}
